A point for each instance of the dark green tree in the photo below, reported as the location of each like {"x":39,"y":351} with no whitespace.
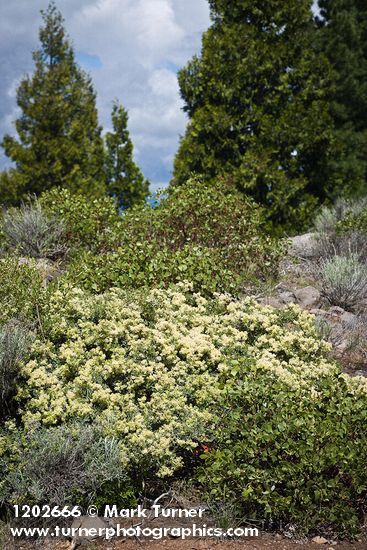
{"x":257,"y":98}
{"x":59,"y":140}
{"x":343,"y":38}
{"x":125,"y":181}
{"x":10,"y":191}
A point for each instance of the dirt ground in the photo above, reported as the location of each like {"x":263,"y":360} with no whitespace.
{"x":264,"y":542}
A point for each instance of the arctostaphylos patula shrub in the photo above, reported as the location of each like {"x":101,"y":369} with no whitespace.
{"x":144,"y":265}
{"x":210,"y":235}
{"x":91,"y":223}
{"x":287,"y":454}
{"x":290,"y":436}
{"x":165,"y":371}
{"x":22,"y":291}
{"x":354,"y":221}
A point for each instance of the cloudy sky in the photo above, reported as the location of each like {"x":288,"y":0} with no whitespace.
{"x":131,"y":48}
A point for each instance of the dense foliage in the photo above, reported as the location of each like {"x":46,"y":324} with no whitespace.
{"x":125,"y":182}
{"x":22,"y":291}
{"x":90,"y":223}
{"x":354,"y":221}
{"x":210,"y":235}
{"x":281,"y":453}
{"x":158,"y":373}
{"x":343,"y":38}
{"x":257,"y":99}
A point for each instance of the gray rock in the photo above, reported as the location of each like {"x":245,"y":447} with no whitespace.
{"x":308,"y":297}
{"x":287,"y":297}
{"x":348,"y":318}
{"x":271,"y":301}
{"x":336,"y":310}
{"x":303,"y":246}
{"x":319,"y":312}
{"x":87,"y":523}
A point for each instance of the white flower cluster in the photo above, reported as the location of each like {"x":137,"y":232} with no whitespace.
{"x":146,"y":366}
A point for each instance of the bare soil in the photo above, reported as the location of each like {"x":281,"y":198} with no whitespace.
{"x":264,"y":542}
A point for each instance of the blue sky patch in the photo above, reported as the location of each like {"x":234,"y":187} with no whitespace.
{"x":87,"y":61}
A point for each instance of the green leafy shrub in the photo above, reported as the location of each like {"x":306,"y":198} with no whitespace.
{"x":141,"y":368}
{"x":286,"y":453}
{"x":354,"y":221}
{"x":15,"y":341}
{"x":344,"y":281}
{"x":91,"y":223}
{"x":210,"y":235}
{"x":329,"y":216}
{"x":60,"y":466}
{"x":145,"y":265}
{"x":29,"y":231}
{"x":22,"y":292}
{"x":212,"y":216}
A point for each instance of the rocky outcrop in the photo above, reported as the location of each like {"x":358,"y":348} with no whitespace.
{"x":303,"y":246}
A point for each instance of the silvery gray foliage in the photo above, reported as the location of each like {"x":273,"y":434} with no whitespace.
{"x":15,"y":341}
{"x":59,"y":463}
{"x":29,"y":231}
{"x":344,"y":281}
{"x":329,"y":241}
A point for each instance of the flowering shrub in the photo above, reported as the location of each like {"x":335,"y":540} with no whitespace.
{"x":165,"y":371}
{"x":147,"y":368}
{"x":145,"y":371}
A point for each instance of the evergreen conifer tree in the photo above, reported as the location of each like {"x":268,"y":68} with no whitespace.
{"x":343,"y":38}
{"x":125,"y":181}
{"x":59,"y":141}
{"x":257,"y":99}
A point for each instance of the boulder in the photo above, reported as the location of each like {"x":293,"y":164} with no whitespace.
{"x":287,"y":297}
{"x":271,"y":301}
{"x":303,"y":246}
{"x":308,"y":297}
{"x":88,"y":523}
{"x":348,"y":318}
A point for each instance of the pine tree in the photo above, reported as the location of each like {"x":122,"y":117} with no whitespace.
{"x":59,"y":141}
{"x":10,"y":190}
{"x":343,"y":38}
{"x":257,"y":99}
{"x":125,"y":181}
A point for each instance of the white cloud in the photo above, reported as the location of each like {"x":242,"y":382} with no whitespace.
{"x":139,"y":43}
{"x":163,"y":83}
